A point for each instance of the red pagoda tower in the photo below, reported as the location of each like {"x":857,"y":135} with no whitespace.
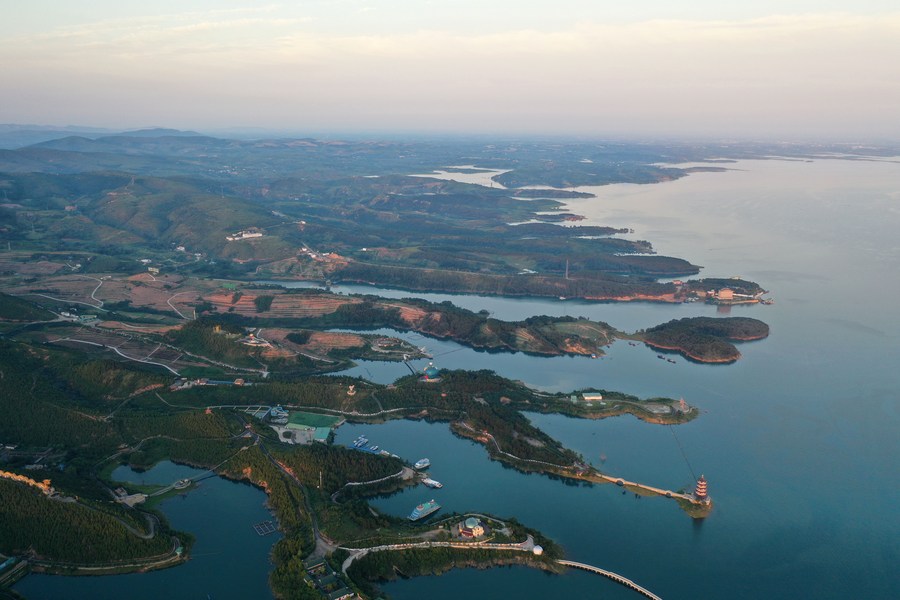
{"x":700,"y":492}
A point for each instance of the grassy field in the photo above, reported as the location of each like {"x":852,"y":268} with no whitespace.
{"x":312,"y":420}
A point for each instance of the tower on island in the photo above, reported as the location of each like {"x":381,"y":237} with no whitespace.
{"x":700,"y":492}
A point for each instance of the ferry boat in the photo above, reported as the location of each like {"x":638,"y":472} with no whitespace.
{"x":423,"y":510}
{"x":432,"y":483}
{"x":422,"y":464}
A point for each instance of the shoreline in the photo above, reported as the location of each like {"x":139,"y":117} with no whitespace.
{"x":712,"y":361}
{"x":666,"y":298}
{"x":687,"y":354}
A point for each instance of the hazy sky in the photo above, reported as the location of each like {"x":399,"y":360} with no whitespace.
{"x":783,"y":69}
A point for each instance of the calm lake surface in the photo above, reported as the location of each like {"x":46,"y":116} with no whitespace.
{"x":799,"y":439}
{"x":228,"y":559}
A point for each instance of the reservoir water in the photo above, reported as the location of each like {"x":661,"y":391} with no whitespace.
{"x":228,"y":558}
{"x":798,"y":439}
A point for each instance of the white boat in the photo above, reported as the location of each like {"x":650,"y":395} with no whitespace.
{"x":432,"y":483}
{"x":422,"y":464}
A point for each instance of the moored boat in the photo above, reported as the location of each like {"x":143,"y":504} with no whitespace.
{"x":423,"y":510}
{"x":432,"y":483}
{"x":422,"y":464}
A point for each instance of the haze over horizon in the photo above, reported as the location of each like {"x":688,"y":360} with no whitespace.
{"x":827,"y":69}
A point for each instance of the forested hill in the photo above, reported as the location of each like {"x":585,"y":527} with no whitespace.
{"x":705,"y":339}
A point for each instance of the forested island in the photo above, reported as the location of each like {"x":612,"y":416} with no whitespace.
{"x":705,"y":339}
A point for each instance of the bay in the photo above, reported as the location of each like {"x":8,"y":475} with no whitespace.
{"x":228,"y":559}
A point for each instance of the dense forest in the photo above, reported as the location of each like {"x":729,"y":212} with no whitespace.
{"x":412,"y":562}
{"x":337,"y":465}
{"x":577,"y":286}
{"x":216,"y":339}
{"x":39,"y":408}
{"x":16,"y":309}
{"x":67,"y":531}
{"x":706,"y":339}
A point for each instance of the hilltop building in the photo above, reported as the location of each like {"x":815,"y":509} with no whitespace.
{"x":432,"y":374}
{"x":246,"y":234}
{"x":471,"y":528}
{"x":255,"y":342}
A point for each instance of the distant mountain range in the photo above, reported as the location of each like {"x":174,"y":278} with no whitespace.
{"x":18,"y":136}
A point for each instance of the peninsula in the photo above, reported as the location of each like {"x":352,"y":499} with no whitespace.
{"x":298,"y":323}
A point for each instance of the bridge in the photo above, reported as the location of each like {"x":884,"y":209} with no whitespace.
{"x":614,"y":576}
{"x":355,"y":553}
{"x":186,"y":482}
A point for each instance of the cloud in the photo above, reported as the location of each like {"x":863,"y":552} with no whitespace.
{"x":807,"y":70}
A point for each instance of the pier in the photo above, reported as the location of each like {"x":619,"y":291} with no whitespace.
{"x":609,"y":574}
{"x":600,"y":477}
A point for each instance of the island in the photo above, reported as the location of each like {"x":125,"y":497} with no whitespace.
{"x":705,"y":339}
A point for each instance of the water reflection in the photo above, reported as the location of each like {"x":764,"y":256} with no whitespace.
{"x":228,"y":559}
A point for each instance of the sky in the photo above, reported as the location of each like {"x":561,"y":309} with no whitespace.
{"x":790,"y":69}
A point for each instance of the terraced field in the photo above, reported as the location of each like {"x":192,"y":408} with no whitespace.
{"x":284,"y":306}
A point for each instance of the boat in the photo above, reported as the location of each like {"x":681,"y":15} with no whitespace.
{"x":432,"y":483}
{"x":423,"y":510}
{"x":422,"y":464}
